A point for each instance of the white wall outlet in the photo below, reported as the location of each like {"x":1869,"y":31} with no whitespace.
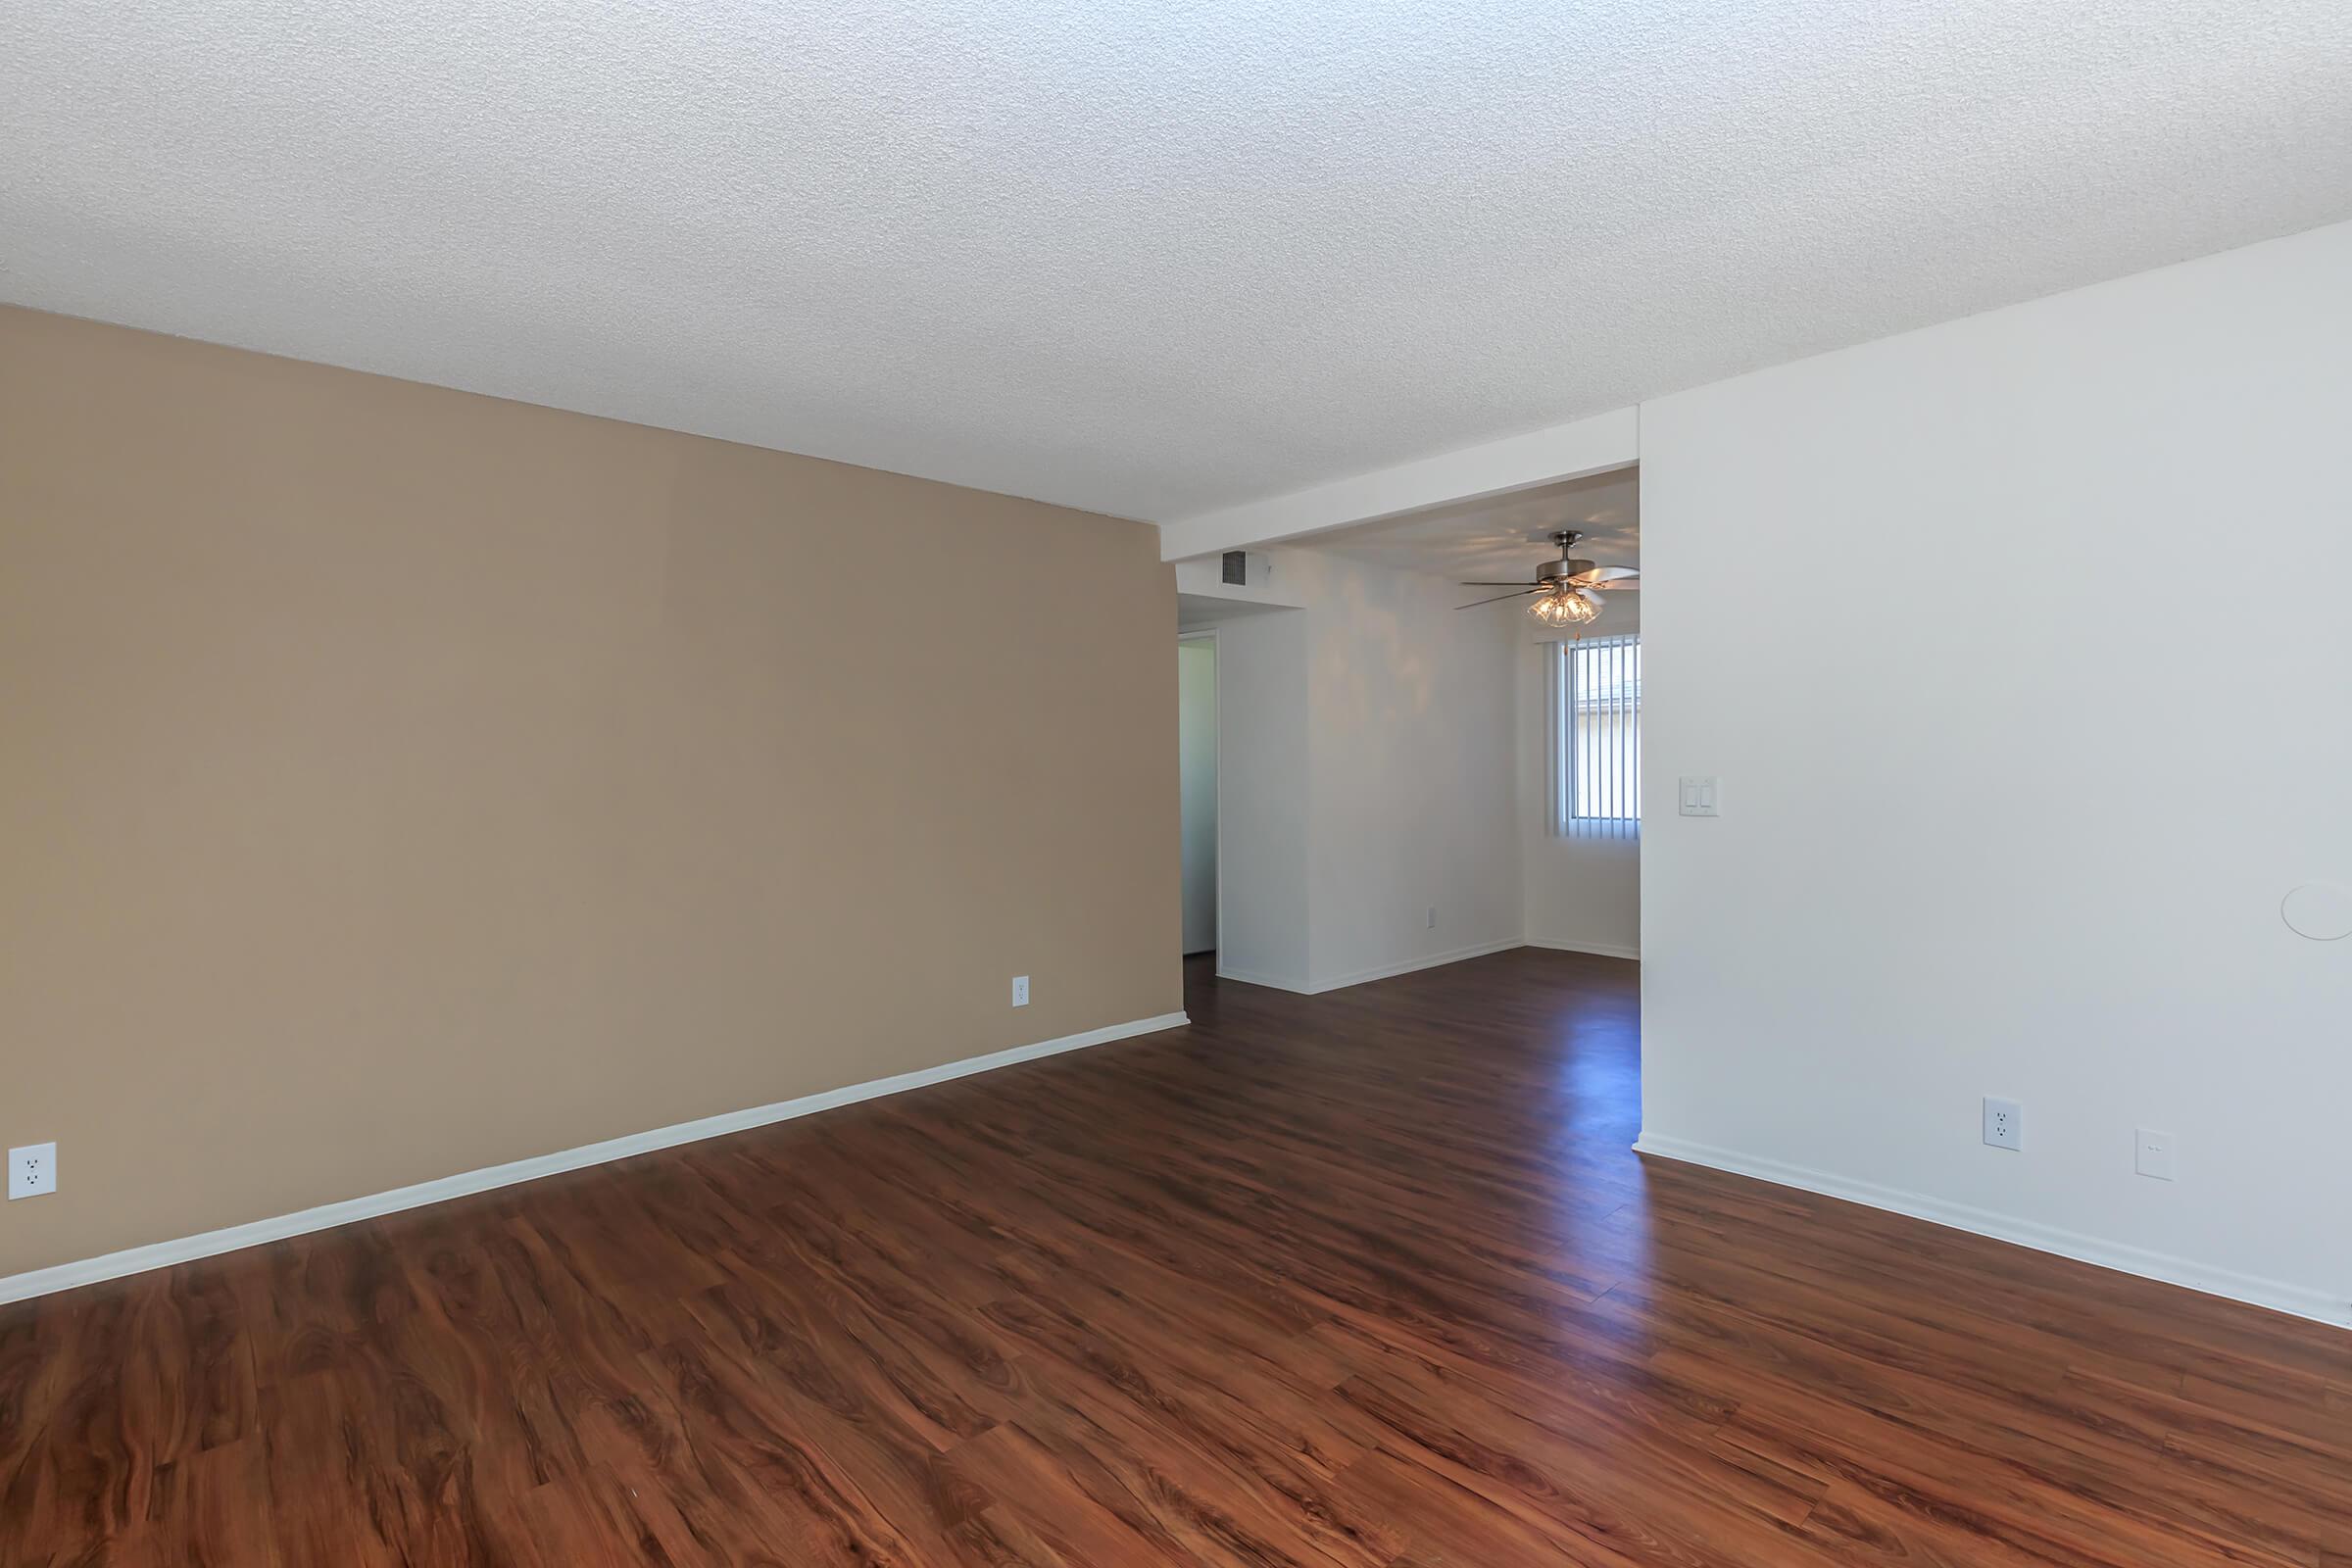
{"x":31,"y":1170}
{"x":1698,"y":797}
{"x":1020,"y":991}
{"x":1429,"y":921}
{"x":2155,"y":1158}
{"x":2004,"y":1123}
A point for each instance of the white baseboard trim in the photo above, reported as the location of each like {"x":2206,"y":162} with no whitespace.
{"x":1600,"y":949}
{"x":2255,"y":1290}
{"x":1249,"y":979}
{"x":211,"y":1243}
{"x":1432,"y":961}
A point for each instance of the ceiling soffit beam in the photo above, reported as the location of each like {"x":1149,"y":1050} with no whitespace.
{"x":1605,"y":441}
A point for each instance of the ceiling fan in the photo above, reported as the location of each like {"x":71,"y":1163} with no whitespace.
{"x":1568,"y":590}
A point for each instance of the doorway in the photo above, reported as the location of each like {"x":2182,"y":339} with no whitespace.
{"x":1197,"y":773}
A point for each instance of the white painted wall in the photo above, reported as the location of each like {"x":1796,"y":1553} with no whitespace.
{"x":1263,"y":798}
{"x":1203,"y":579}
{"x":1367,"y":775}
{"x":1197,"y":787}
{"x":1979,"y":834}
{"x":1412,"y":706}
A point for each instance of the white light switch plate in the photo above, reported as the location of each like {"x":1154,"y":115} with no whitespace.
{"x":1698,"y":797}
{"x":31,"y":1170}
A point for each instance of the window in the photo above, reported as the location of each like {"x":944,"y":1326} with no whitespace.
{"x":1593,"y":698}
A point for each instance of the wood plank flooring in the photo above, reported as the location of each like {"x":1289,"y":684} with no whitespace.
{"x":1367,"y":1279}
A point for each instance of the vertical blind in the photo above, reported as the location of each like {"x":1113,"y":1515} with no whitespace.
{"x":1593,"y":698}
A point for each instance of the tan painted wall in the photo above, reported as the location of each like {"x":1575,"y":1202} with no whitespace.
{"x":395,"y":782}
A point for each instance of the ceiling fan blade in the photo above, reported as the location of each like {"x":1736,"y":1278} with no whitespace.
{"x":1522,"y":583}
{"x":1627,"y":585}
{"x":1498,"y":599}
{"x":1605,"y":577}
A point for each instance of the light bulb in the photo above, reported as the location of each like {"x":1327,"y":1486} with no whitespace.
{"x":1567,"y":606}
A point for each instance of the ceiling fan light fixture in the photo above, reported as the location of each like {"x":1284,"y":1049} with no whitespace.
{"x":1567,"y":606}
{"x":1567,"y":590}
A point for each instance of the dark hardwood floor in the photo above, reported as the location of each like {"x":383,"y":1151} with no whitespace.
{"x":1368,"y":1278}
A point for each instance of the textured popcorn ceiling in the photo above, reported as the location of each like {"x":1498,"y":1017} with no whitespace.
{"x":1501,"y":538}
{"x":1150,"y":259}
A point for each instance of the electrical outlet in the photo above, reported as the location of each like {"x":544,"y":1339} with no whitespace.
{"x":31,"y":1170}
{"x":2004,"y":1123}
{"x":2155,"y":1156}
{"x":1020,"y":991}
{"x":1429,"y":921}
